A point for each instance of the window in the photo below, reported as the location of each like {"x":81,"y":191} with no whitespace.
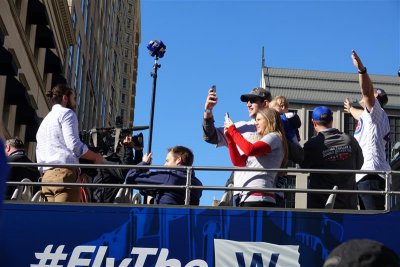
{"x":311,"y":130}
{"x":71,"y":55}
{"x":126,"y":67}
{"x":86,"y":13}
{"x":74,"y":19}
{"x":80,"y":90}
{"x":123,"y":98}
{"x":394,"y":133}
{"x":124,"y":81}
{"x":129,"y":8}
{"x":78,"y":55}
{"x":350,"y":124}
{"x":82,"y":6}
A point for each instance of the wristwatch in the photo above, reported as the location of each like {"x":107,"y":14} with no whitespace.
{"x":208,"y":110}
{"x":363,"y":71}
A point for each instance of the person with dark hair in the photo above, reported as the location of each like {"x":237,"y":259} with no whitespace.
{"x":58,"y":143}
{"x":15,"y":152}
{"x":372,"y":133}
{"x":331,"y":149}
{"x":362,"y":253}
{"x":177,"y":156}
{"x":123,"y":155}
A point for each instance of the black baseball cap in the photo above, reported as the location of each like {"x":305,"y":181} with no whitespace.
{"x":257,"y":93}
{"x":362,"y":253}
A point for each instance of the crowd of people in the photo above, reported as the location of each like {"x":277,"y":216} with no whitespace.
{"x":269,"y":140}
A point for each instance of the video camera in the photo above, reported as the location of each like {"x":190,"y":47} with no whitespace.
{"x":107,"y":140}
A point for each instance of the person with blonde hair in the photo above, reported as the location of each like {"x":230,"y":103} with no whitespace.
{"x":291,"y":121}
{"x":269,"y":151}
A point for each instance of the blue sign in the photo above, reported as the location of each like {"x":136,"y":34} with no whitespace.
{"x":41,"y":235}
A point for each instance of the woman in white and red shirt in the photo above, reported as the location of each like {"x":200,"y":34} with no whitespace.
{"x":269,"y":151}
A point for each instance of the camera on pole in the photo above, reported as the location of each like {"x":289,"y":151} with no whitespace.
{"x":157,"y":50}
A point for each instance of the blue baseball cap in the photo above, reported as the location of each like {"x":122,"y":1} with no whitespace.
{"x":322,"y":113}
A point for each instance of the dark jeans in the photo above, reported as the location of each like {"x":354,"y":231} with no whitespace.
{"x":371,"y":182}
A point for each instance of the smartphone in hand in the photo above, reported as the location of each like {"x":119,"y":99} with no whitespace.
{"x":227,"y":118}
{"x":214,"y":88}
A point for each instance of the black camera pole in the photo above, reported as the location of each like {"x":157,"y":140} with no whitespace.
{"x":153,"y":99}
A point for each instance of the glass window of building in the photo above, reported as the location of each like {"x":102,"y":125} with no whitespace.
{"x":123,"y":98}
{"x":70,"y":58}
{"x":74,"y":19}
{"x":86,"y":14}
{"x":77,"y":59}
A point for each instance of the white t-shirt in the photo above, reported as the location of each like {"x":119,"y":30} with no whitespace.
{"x":261,"y":179}
{"x":372,"y":133}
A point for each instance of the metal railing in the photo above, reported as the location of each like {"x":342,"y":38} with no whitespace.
{"x":188,"y":187}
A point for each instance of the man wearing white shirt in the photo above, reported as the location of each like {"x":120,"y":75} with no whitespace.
{"x":58,"y":143}
{"x":372,"y":133}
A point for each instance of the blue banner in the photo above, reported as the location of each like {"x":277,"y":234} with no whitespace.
{"x":41,"y":235}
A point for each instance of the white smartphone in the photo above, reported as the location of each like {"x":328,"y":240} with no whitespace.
{"x":227,"y":117}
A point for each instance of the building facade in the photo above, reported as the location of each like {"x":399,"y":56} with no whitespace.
{"x":91,"y":45}
{"x":34,"y":39}
{"x":102,"y":66}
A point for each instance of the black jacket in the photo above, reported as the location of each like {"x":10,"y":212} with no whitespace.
{"x":113,"y":175}
{"x":335,"y":150}
{"x":18,"y":173}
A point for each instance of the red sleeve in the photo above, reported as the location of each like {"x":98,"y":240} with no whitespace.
{"x":257,"y":149}
{"x":237,"y":159}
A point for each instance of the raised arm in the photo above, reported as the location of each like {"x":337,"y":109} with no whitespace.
{"x":348,"y":107}
{"x":209,"y":131}
{"x":257,"y":149}
{"x":367,"y":90}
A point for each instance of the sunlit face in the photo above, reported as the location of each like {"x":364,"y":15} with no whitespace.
{"x":279,"y":108}
{"x":254,"y":105}
{"x":261,"y":124}
{"x":170,"y":160}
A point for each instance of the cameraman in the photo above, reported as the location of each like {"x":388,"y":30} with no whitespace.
{"x":117,"y":175}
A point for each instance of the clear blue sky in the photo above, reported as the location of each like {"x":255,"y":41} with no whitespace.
{"x":220,"y":42}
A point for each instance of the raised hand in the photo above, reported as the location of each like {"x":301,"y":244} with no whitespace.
{"x":211,"y":100}
{"x":357,"y":61}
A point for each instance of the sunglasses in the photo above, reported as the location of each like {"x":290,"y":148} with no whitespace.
{"x":254,"y":100}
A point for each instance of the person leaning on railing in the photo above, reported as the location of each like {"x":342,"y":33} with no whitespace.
{"x":177,"y":156}
{"x":335,"y":150}
{"x":123,"y":155}
{"x":58,"y":143}
{"x":257,"y":99}
{"x":269,"y":151}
